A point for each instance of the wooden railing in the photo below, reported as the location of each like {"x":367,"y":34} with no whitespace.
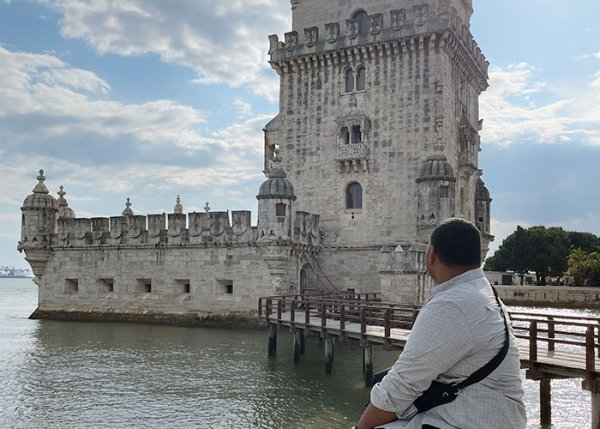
{"x":551,"y":329}
{"x":582,"y":333}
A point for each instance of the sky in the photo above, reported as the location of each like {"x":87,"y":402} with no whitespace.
{"x":151,"y":99}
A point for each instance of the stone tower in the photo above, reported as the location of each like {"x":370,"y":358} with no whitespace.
{"x":378,"y":127}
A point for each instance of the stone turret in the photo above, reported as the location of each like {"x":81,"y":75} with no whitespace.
{"x":39,"y":222}
{"x":64,"y":211}
{"x":436,"y":194}
{"x":275,"y":200}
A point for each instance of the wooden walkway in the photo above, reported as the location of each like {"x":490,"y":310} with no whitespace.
{"x":550,"y":346}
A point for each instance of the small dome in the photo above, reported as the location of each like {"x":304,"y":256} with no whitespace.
{"x":436,"y":167}
{"x":41,"y":197}
{"x":481,"y":192}
{"x":277,"y":186}
{"x":64,"y":210}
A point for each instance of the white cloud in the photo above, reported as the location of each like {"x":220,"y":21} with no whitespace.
{"x":223,"y":41}
{"x":513,"y":112}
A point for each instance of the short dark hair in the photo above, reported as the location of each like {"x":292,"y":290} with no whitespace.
{"x":457,"y":243}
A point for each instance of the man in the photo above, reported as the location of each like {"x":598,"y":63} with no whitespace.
{"x":458,"y":331}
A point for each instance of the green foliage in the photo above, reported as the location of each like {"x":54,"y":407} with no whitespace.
{"x":540,"y":249}
{"x":585,"y":268}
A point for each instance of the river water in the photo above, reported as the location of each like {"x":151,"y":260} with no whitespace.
{"x":91,"y":375}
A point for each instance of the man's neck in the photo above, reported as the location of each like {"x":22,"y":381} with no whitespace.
{"x":448,"y":273}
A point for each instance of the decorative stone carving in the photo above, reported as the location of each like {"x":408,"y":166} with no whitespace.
{"x":311,"y":36}
{"x":116,"y":229}
{"x":332,"y":32}
{"x":376,"y":23}
{"x":82,"y":227}
{"x":196,"y":223}
{"x":240,"y":221}
{"x":137,"y":224}
{"x":352,"y":28}
{"x":444,"y":10}
{"x":156,"y":223}
{"x":291,"y":40}
{"x":421,"y":13}
{"x":398,"y":18}
{"x":99,"y":226}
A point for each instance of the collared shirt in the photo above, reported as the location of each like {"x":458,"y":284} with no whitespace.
{"x":459,"y":330}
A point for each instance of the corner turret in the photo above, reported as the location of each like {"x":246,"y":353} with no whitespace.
{"x":39,"y":221}
{"x":275,"y":205}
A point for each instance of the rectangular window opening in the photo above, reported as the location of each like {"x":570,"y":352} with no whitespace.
{"x":183,"y":286}
{"x":225,"y":287}
{"x":144,"y":286}
{"x":106,"y":284}
{"x":71,"y":286}
{"x":279,"y":209}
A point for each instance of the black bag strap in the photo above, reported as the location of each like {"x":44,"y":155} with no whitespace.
{"x":486,"y":370}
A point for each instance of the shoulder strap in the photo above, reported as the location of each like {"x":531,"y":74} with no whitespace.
{"x":486,"y":370}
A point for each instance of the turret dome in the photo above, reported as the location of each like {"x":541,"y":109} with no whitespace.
{"x":481,"y":192}
{"x":276,"y":186}
{"x":436,"y":167}
{"x":41,"y":197}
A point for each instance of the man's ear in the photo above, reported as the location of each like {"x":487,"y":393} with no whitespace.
{"x":431,"y":255}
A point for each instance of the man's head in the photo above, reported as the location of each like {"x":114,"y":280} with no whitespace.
{"x":455,"y":247}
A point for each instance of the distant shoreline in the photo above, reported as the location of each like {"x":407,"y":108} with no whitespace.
{"x":15,"y":277}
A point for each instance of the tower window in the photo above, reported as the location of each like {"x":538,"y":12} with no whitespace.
{"x":354,"y":196}
{"x":349,"y":80}
{"x":356,"y":134}
{"x":362,"y":21}
{"x":345,"y":136}
{"x":360,"y":79}
{"x":444,"y":192}
{"x":279,"y":209}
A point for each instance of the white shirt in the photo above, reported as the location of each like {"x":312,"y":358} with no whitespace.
{"x":458,"y":331}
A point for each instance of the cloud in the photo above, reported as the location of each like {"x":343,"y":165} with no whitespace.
{"x":515,"y":110}
{"x":92,"y":144}
{"x":223,"y":41}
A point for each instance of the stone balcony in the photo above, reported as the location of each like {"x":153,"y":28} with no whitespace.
{"x":352,"y":157}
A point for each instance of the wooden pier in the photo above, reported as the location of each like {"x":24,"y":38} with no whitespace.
{"x":550,"y":346}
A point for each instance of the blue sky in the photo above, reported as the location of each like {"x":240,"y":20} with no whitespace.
{"x":150,"y":99}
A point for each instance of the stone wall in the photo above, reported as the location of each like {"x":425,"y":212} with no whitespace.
{"x":167,"y":279}
{"x":550,"y":296}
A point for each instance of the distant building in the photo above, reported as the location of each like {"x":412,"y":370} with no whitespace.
{"x":507,"y":278}
{"x":376,"y":142}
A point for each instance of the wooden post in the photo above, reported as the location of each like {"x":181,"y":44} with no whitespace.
{"x":272,"y":339}
{"x":303,"y":340}
{"x":545,"y":403}
{"x":368,"y":365}
{"x":329,"y":355}
{"x":551,"y":334}
{"x":297,"y":346}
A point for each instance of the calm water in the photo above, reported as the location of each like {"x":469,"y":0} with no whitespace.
{"x":86,"y":375}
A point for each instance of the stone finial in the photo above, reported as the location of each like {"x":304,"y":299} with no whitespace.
{"x":61,"y":197}
{"x":40,"y":188}
{"x":178,"y":206}
{"x":207,"y":209}
{"x":127,"y":211}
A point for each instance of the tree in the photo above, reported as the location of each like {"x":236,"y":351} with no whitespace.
{"x":585,"y":241}
{"x":540,"y":249}
{"x":585,"y":268}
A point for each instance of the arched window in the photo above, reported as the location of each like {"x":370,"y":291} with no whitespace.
{"x":362,"y":21}
{"x":354,"y":196}
{"x":360,"y":79}
{"x":345,"y":135}
{"x":349,"y":80}
{"x":356,"y":134}
{"x":279,"y":209}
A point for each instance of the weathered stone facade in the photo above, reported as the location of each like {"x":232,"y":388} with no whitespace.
{"x":376,"y":142}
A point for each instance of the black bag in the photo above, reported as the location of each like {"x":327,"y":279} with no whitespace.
{"x":443,"y":393}
{"x":437,"y":394}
